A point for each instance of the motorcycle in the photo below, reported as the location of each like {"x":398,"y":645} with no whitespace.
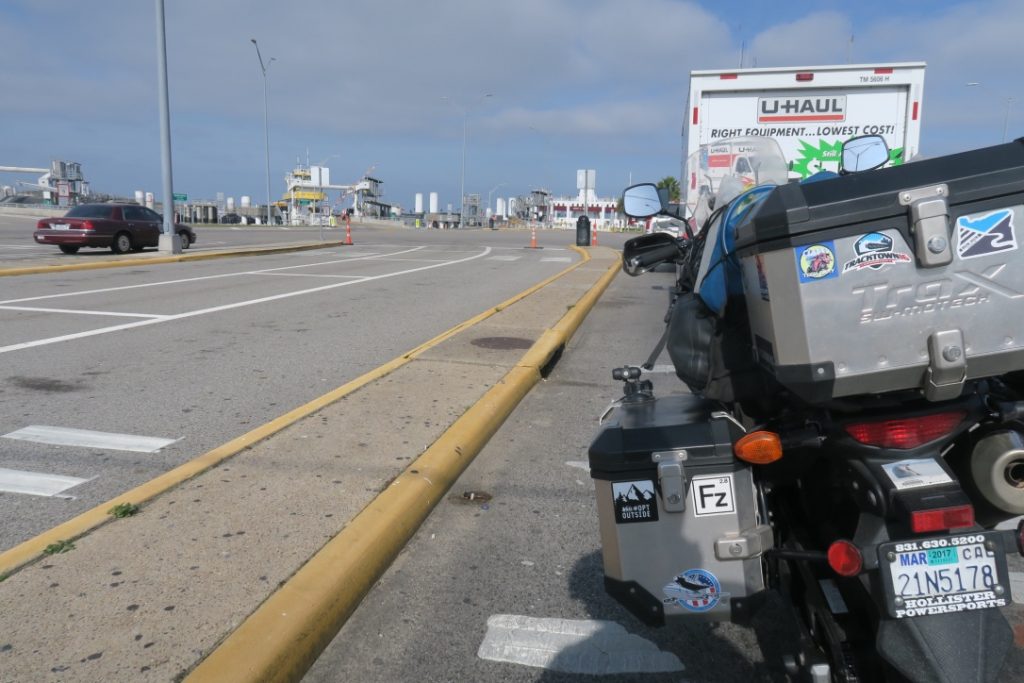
{"x":854,"y":434}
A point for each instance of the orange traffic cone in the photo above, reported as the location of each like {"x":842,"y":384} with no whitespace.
{"x":593,"y":237}
{"x":348,"y":231}
{"x":533,"y":239}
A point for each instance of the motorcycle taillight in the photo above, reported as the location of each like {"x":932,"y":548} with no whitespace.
{"x":957,"y":517}
{"x":908,"y":432}
{"x":845,"y":558}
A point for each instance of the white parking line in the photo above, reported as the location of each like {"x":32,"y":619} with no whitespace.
{"x":71,"y":310}
{"x":591,"y":647}
{"x":556,"y":259}
{"x":335,"y":277}
{"x":504,"y":258}
{"x":200,"y":278}
{"x":36,"y":483}
{"x":87,"y":438}
{"x":226,"y":307}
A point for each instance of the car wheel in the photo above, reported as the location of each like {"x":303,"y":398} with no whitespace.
{"x":69,"y":248}
{"x":185,"y":241}
{"x":122,"y":243}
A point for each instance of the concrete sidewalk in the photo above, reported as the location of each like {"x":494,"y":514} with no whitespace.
{"x":149,"y":597}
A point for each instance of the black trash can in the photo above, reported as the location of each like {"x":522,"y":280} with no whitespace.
{"x":582,"y":231}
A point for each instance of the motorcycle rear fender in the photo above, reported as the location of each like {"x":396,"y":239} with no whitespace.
{"x":961,"y":647}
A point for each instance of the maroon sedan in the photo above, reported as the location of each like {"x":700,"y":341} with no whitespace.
{"x":119,"y":227}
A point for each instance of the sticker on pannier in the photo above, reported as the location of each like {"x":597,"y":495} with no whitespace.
{"x":875,"y":251}
{"x":816,"y":262}
{"x":634,"y":501}
{"x":981,"y":234}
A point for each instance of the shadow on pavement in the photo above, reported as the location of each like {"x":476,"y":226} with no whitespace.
{"x":708,"y":651}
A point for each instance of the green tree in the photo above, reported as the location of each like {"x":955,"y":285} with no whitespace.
{"x":672,"y":185}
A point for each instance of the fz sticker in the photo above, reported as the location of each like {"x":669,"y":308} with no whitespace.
{"x":874,"y":251}
{"x":984,"y":234}
{"x":697,"y":590}
{"x":712,"y":495}
{"x":816,"y":262}
{"x":634,"y":501}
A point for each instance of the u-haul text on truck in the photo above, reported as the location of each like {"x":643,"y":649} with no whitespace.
{"x":810,"y":111}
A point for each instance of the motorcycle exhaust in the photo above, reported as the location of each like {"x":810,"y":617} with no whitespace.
{"x":997,"y":470}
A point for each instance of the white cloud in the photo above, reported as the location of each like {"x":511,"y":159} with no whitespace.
{"x":366,"y":79}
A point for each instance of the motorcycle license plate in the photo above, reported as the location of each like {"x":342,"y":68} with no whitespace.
{"x":945,"y":574}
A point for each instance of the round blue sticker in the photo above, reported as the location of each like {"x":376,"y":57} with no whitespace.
{"x":816,"y":262}
{"x":697,"y":590}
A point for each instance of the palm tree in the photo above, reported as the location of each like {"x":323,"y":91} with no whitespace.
{"x":672,"y":185}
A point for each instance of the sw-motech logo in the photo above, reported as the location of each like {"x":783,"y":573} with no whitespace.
{"x":797,"y":109}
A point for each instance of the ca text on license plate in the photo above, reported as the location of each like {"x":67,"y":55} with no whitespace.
{"x":942,"y":575}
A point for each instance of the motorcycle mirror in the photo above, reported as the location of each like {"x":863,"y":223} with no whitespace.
{"x":642,"y":201}
{"x":864,"y":153}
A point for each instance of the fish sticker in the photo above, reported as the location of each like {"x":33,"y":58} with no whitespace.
{"x":696,"y":590}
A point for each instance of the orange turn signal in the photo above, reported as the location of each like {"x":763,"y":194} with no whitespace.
{"x":759,"y":448}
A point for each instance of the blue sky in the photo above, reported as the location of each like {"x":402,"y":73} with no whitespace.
{"x":576,"y":84}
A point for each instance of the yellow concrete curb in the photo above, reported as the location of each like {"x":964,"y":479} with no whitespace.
{"x":28,"y":551}
{"x":282,"y":639}
{"x":143,"y":261}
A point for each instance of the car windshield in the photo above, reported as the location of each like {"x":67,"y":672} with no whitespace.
{"x":89,"y":211}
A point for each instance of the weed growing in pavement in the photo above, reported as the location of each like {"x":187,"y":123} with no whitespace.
{"x":123,"y":510}
{"x":58,"y":547}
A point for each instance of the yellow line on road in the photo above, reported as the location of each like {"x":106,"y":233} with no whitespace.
{"x":145,"y":260}
{"x":32,"y":549}
{"x":282,"y":639}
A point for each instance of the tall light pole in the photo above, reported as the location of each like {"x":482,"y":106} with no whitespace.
{"x":1009,"y":104}
{"x":169,"y":240}
{"x":266,"y":118}
{"x":462,"y":175}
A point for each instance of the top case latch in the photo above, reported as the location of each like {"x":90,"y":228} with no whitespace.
{"x":929,"y":221}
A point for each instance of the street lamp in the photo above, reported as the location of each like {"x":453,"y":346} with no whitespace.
{"x":266,"y":117}
{"x":169,"y":241}
{"x":1009,"y":103}
{"x":462,"y":175}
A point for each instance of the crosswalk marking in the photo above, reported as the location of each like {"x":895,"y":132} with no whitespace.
{"x":86,"y":438}
{"x":36,"y":483}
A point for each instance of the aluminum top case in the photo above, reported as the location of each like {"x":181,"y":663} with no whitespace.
{"x":907,"y":277}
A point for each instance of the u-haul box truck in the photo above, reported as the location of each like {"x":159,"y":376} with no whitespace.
{"x":810,"y":110}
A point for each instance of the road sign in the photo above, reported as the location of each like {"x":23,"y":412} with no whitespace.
{"x":180,"y":197}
